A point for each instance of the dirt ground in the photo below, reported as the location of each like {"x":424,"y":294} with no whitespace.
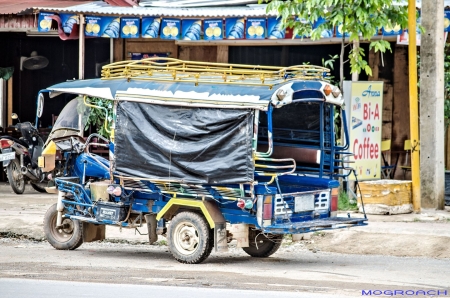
{"x":426,"y":234}
{"x":401,"y":252}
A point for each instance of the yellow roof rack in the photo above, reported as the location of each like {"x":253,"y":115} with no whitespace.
{"x":169,"y":69}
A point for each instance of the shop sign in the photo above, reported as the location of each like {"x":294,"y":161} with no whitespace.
{"x":213,"y":29}
{"x":67,"y":21}
{"x":45,"y":21}
{"x":97,"y":26}
{"x":388,"y":31}
{"x":326,"y":33}
{"x":150,"y":27}
{"x":364,"y":102}
{"x":191,"y":29}
{"x":129,"y":27}
{"x":170,"y":29}
{"x":235,"y":28}
{"x":447,"y":21}
{"x":256,"y":28}
{"x":339,"y":31}
{"x":275,"y":29}
{"x":305,"y":23}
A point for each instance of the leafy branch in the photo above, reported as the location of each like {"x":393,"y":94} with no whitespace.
{"x":357,"y":19}
{"x":97,"y":117}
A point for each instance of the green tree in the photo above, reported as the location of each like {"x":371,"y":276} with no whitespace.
{"x":359,"y":19}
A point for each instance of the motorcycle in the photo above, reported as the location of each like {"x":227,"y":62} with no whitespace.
{"x":70,"y":125}
{"x":20,"y":157}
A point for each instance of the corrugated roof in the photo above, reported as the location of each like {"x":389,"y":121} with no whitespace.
{"x":122,"y":2}
{"x":195,"y":3}
{"x":24,"y":6}
{"x":102,"y":8}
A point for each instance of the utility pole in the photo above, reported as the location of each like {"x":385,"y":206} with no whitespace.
{"x":432,"y":167}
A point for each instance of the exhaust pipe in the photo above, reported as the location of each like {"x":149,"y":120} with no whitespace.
{"x":28,"y":173}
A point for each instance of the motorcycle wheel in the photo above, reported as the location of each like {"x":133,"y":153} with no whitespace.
{"x":67,"y":237}
{"x":39,"y":187}
{"x":15,"y":177}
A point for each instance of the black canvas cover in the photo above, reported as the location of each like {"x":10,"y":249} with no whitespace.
{"x":195,"y":145}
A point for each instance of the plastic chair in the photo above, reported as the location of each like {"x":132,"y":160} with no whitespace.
{"x":387,"y":170}
{"x":407,"y":166}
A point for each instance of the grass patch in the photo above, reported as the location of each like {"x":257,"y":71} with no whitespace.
{"x":287,"y":237}
{"x":344,"y":202}
{"x":161,"y":243}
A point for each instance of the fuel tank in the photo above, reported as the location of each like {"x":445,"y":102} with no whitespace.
{"x":92,"y":166}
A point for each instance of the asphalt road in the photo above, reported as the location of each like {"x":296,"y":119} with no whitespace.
{"x":24,"y":288}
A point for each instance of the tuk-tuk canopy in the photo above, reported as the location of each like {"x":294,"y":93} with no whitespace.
{"x":199,"y":84}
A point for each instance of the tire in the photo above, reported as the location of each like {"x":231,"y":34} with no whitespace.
{"x":38,"y":187}
{"x":67,"y":238}
{"x":189,"y":238}
{"x":15,"y":177}
{"x":261,"y":246}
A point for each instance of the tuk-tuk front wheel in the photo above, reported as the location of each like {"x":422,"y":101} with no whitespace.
{"x":189,"y":238}
{"x":68,"y":236}
{"x":262,"y":245}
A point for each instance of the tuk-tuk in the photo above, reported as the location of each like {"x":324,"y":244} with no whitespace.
{"x":203,"y":153}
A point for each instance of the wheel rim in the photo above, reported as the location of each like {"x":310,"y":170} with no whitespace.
{"x":186,"y":238}
{"x":64,"y":233}
{"x":17,"y":175}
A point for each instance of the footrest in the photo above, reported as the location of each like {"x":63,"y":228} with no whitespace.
{"x":315,"y":225}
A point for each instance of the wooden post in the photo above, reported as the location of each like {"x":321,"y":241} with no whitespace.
{"x":222,"y":54}
{"x":184,"y":53}
{"x":10,"y":100}
{"x":81,"y":50}
{"x":111,"y":50}
{"x":118,"y":49}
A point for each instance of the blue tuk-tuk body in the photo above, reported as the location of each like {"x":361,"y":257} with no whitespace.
{"x":205,"y":154}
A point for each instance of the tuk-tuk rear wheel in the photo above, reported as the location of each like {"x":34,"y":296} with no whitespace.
{"x":67,"y":237}
{"x":189,"y":238}
{"x":262,"y":246}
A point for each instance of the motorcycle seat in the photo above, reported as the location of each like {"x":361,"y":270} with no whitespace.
{"x":15,"y":140}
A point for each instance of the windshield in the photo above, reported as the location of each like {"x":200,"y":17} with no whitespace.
{"x":69,"y":116}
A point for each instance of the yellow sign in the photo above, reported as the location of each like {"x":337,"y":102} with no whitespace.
{"x":364,"y":103}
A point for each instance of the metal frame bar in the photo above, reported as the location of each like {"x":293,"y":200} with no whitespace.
{"x":219,"y":73}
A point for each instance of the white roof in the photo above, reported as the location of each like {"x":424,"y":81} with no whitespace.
{"x":100,"y":7}
{"x":182,"y":8}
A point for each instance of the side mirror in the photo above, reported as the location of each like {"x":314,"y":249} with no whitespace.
{"x":40,"y":105}
{"x":14,"y":116}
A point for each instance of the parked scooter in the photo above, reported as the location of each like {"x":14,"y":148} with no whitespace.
{"x":20,"y":157}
